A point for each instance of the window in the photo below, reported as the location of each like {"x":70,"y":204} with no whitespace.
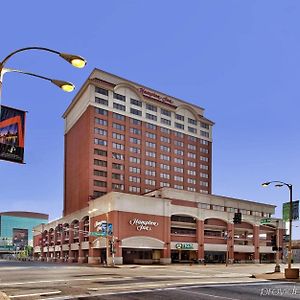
{"x":100,"y":173}
{"x":101,"y":111}
{"x":191,"y":147}
{"x":136,"y":102}
{"x":99,"y":162}
{"x":191,"y":163}
{"x":165,"y":175}
{"x":136,"y":111}
{"x":100,"y":183}
{"x":97,"y":194}
{"x":192,"y":129}
{"x":165,"y":130}
{"x":192,"y":138}
{"x":135,"y":141}
{"x":150,"y":126}
{"x":150,"y":173}
{"x":134,"y":189}
{"x":178,"y":160}
{"x":191,"y":155}
{"x":203,"y":158}
{"x":178,"y":187}
{"x":134,"y":179}
{"x":100,"y":152}
{"x":178,"y":125}
{"x":177,"y":169}
{"x":118,"y":156}
{"x":179,"y":117}
{"x":178,"y":143}
{"x":119,"y":106}
{"x":118,"y":146}
{"x":151,"y":117}
{"x":119,"y":97}
{"x":150,"y":153}
{"x":165,"y":148}
{"x":134,"y":170}
{"x":204,"y":142}
{"x":178,"y":178}
{"x":100,"y":122}
{"x":150,"y":145}
{"x":192,"y":121}
{"x":179,"y":152}
{"x":118,"y":116}
{"x":165,"y":139}
{"x":164,"y":184}
{"x":165,"y":167}
{"x":134,"y":159}
{"x":204,"y":133}
{"x":218,"y":207}
{"x":118,"y":126}
{"x":135,"y":131}
{"x":204,"y":150}
{"x":191,"y":172}
{"x":203,"y":175}
{"x":100,"y":131}
{"x":117,"y":186}
{"x":203,"y":183}
{"x":100,"y":142}
{"x":191,"y":181}
{"x":165,"y":112}
{"x":191,"y":189}
{"x":149,"y":181}
{"x":204,"y":125}
{"x":204,"y":167}
{"x":150,"y":135}
{"x":135,"y":150}
{"x":101,"y":101}
{"x":118,"y":136}
{"x":204,"y":205}
{"x":150,"y":163}
{"x":179,"y":134}
{"x":203,"y":191}
{"x":117,"y":166}
{"x":151,"y":107}
{"x":135,"y":121}
{"x":165,"y":157}
{"x":101,"y":91}
{"x":165,"y":121}
{"x":117,"y":176}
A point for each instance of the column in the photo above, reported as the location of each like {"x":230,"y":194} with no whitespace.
{"x":81,"y":234}
{"x":256,"y":243}
{"x":230,"y":242}
{"x":71,"y":240}
{"x":166,"y":252}
{"x":200,"y":240}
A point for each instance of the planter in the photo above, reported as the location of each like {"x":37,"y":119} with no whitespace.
{"x":292,"y":273}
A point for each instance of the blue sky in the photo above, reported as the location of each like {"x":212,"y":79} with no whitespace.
{"x":240,"y":60}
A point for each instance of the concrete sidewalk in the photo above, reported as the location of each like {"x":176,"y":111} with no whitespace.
{"x":274,"y":276}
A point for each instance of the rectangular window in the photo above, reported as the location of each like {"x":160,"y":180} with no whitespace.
{"x":136,"y":102}
{"x":150,"y":173}
{"x":151,"y":117}
{"x":192,"y":138}
{"x":204,"y":125}
{"x":118,"y":146}
{"x":119,"y":126}
{"x":135,"y":131}
{"x":117,"y":186}
{"x":191,"y":155}
{"x":98,"y":194}
{"x":204,"y":150}
{"x":150,"y":163}
{"x":191,"y":172}
{"x":150,"y":135}
{"x":100,"y":152}
{"x":192,"y":129}
{"x":150,"y":126}
{"x":165,"y":112}
{"x":203,"y":175}
{"x":177,"y":169}
{"x":165,"y":157}
{"x":100,"y":142}
{"x":204,"y":133}
{"x":100,"y":131}
{"x":135,"y":141}
{"x":164,"y":184}
{"x":135,"y":150}
{"x":101,"y":91}
{"x":191,"y":147}
{"x":150,"y":145}
{"x":117,"y":166}
{"x":151,"y":107}
{"x":203,"y":158}
{"x":179,"y":117}
{"x":192,"y":121}
{"x":101,"y":101}
{"x":118,"y":136}
{"x":165,"y":121}
{"x":134,"y":159}
{"x":101,"y":111}
{"x":118,"y":156}
{"x":165,"y":175}
{"x":178,"y":160}
{"x":134,"y":170}
{"x":117,"y":176}
{"x":135,"y":121}
{"x":179,"y":134}
{"x":100,"y":183}
{"x":178,"y":125}
{"x":165,"y":148}
{"x":165,"y":139}
{"x":204,"y":142}
{"x":191,"y":180}
{"x":191,"y":163}
{"x":204,"y":167}
{"x":149,"y":181}
{"x":165,"y":130}
{"x":119,"y":106}
{"x":135,"y":111}
{"x":203,"y":183}
{"x":101,"y":122}
{"x":191,"y":189}
{"x":178,"y":187}
{"x":165,"y":167}
{"x":179,"y":152}
{"x":100,"y":173}
{"x":134,"y":189}
{"x":119,"y":97}
{"x":118,"y":117}
{"x":150,"y":153}
{"x":134,"y":179}
{"x":178,"y":143}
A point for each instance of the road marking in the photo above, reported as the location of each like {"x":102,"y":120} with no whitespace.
{"x":35,"y":294}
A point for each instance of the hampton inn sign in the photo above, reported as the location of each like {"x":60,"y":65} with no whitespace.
{"x":143,"y":224}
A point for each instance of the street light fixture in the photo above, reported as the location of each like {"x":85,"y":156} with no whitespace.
{"x":289,"y":272}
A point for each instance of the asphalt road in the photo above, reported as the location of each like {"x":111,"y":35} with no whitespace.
{"x":34,"y":280}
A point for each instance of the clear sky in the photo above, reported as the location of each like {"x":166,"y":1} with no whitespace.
{"x":240,"y":60}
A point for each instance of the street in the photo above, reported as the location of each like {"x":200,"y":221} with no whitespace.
{"x":34,"y":280}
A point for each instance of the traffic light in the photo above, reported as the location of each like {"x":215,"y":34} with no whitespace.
{"x":274,"y":243}
{"x":237,"y":219}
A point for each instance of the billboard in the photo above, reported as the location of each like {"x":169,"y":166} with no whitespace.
{"x":286,"y":210}
{"x":12,"y":126}
{"x":20,"y":238}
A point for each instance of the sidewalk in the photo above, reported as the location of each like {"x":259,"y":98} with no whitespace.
{"x":275,"y":276}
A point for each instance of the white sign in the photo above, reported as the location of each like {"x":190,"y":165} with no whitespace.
{"x":143,"y":224}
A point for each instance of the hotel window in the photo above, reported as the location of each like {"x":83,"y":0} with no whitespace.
{"x":203,"y":191}
{"x":204,"y":167}
{"x":178,"y":178}
{"x":151,"y":107}
{"x":117,"y":176}
{"x":203,"y":175}
{"x":191,"y":155}
{"x":134,"y":189}
{"x":136,"y":102}
{"x":191,"y":189}
{"x":100,"y":131}
{"x":179,"y":134}
{"x":165,"y":167}
{"x":178,"y":187}
{"x":165,"y":121}
{"x":165,"y":148}
{"x":191,"y":181}
{"x":100,"y":173}
{"x":165,"y":139}
{"x":135,"y":121}
{"x":101,"y":111}
{"x":178,"y":160}
{"x":151,"y":117}
{"x":191,"y":163}
{"x":134,"y":179}
{"x":150,"y":163}
{"x":150,"y":145}
{"x":191,"y":147}
{"x":203,"y":158}
{"x":100,"y":183}
{"x":230,"y":209}
{"x":192,"y":129}
{"x":165,"y":112}
{"x":192,"y":138}
{"x":99,"y":162}
{"x":150,"y":135}
{"x":204,"y":142}
{"x":178,"y":125}
{"x":191,"y":172}
{"x":100,"y":152}
{"x":149,"y":181}
{"x":119,"y":97}
{"x":119,"y":106}
{"x":178,"y":143}
{"x":134,"y":170}
{"x":165,"y":157}
{"x":204,"y":125}
{"x":134,"y":160}
{"x":118,"y":126}
{"x":150,"y":126}
{"x":177,"y":169}
{"x":117,"y":166}
{"x":192,"y":121}
{"x":117,"y":186}
{"x":150,"y":173}
{"x":150,"y":153}
{"x":135,"y":131}
{"x":203,"y":183}
{"x":100,"y":142}
{"x":135,"y":150}
{"x":179,"y":152}
{"x":101,"y":101}
{"x":165,"y":175}
{"x":118,"y":146}
{"x":118,"y":136}
{"x":98,"y":194}
{"x":165,"y":130}
{"x":118,"y":156}
{"x":179,"y":117}
{"x":101,"y":91}
{"x":135,"y":141}
{"x":204,"y":133}
{"x":136,"y":111}
{"x":164,"y":184}
{"x":204,"y":206}
{"x":204,"y":150}
{"x":100,"y":122}
{"x":118,"y":116}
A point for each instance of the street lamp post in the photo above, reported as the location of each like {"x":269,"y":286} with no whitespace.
{"x":289,"y":272}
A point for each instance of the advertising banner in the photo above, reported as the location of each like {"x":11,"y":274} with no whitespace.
{"x":286,"y":211}
{"x":12,"y":126}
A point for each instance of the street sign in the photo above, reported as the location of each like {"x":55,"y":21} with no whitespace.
{"x":97,"y":233}
{"x":265,"y":221}
{"x":286,"y":210}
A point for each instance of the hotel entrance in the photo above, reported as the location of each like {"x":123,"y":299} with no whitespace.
{"x":140,"y":256}
{"x":183,"y":252}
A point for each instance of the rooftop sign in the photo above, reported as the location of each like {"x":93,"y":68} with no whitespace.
{"x":143,"y":224}
{"x":155,"y":96}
